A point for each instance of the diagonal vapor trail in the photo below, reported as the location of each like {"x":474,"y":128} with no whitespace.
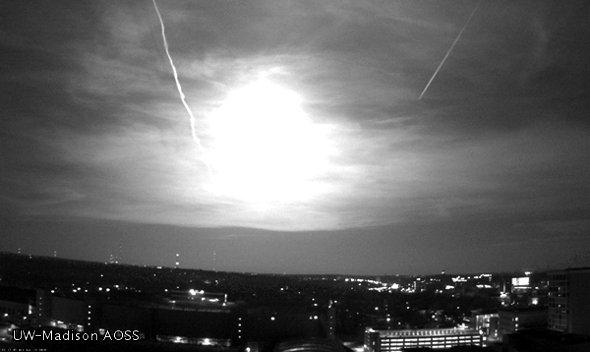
{"x":449,"y":51}
{"x":192,"y":119}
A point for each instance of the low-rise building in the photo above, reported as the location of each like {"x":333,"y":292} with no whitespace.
{"x":398,"y":340}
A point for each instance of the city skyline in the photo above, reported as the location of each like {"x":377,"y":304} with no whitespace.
{"x":315,"y":153}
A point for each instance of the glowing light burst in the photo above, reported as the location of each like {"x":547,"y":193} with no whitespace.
{"x":264,"y":147}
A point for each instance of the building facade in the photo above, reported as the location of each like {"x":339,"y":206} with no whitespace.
{"x":516,"y":319}
{"x":398,"y":340}
{"x":487,"y":324}
{"x":17,"y":305}
{"x":569,"y":301}
{"x":207,"y":322}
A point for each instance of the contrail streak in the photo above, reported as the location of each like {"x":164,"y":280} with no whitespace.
{"x":448,"y":52}
{"x":175,"y":73}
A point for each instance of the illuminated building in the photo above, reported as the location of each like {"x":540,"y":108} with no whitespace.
{"x":569,"y":305}
{"x":516,"y":319}
{"x":520,"y":284}
{"x":487,"y":324}
{"x":398,"y":340}
{"x":331,"y":319}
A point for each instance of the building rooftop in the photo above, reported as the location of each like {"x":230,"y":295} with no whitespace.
{"x":423,"y":332}
{"x":16,"y":294}
{"x":568,"y":270}
{"x":484,"y":312}
{"x":310,"y":345}
{"x":535,"y":309}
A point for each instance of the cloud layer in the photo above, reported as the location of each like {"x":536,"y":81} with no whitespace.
{"x":92,"y":125}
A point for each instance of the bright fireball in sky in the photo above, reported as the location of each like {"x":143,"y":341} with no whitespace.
{"x":264,"y":147}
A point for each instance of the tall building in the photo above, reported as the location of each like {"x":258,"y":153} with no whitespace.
{"x":397,"y":340}
{"x":569,"y":300}
{"x":516,"y":319}
{"x":487,"y":324}
{"x":331,"y":319}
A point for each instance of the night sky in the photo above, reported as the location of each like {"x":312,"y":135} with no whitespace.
{"x":352,"y":173}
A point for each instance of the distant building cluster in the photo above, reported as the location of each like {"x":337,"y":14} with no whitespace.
{"x":282,"y":313}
